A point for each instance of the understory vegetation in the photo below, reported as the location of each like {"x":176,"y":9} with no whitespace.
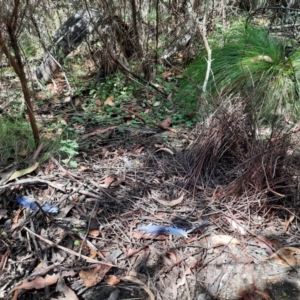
{"x":261,"y":68}
{"x":175,"y":115}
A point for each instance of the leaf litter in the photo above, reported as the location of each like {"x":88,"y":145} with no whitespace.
{"x":130,"y":219}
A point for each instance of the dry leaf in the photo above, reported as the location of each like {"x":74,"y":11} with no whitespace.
{"x":285,"y":256}
{"x":77,"y":101}
{"x":140,"y":283}
{"x":269,"y":245}
{"x":111,"y":181}
{"x":100,"y":130}
{"x":23,"y":153}
{"x":220,"y":240}
{"x":192,"y":262}
{"x":131,"y":252}
{"x":110,"y":101}
{"x":112,"y":280}
{"x":23,"y":172}
{"x":93,"y":253}
{"x":17,"y":215}
{"x":94,"y":276}
{"x":138,"y":150}
{"x":159,"y":215}
{"x":240,"y":229}
{"x":166,"y":123}
{"x":41,"y":282}
{"x":94,"y":232}
{"x":169,"y":98}
{"x":61,"y":287}
{"x":166,"y":150}
{"x":167,"y":74}
{"x":288,"y":222}
{"x":172,"y":256}
{"x":170,"y":203}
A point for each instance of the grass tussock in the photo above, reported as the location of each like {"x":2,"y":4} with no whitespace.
{"x":253,"y":63}
{"x":17,"y":144}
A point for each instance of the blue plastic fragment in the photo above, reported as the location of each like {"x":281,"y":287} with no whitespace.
{"x":50,"y":209}
{"x":29,"y":202}
{"x":154,"y":229}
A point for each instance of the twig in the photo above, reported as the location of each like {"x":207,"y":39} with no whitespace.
{"x":152,"y":122}
{"x":140,"y":79}
{"x":86,"y":258}
{"x":4,"y":259}
{"x":31,"y":181}
{"x":37,"y":152}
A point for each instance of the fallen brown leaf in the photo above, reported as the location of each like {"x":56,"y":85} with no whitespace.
{"x":236,"y":225}
{"x":138,"y":150}
{"x":140,"y":283}
{"x":172,"y":256}
{"x":17,"y":215}
{"x":170,"y":203}
{"x":166,"y":150}
{"x":285,"y":256}
{"x":93,"y":253}
{"x":131,"y":252}
{"x":111,"y":181}
{"x":99,"y":130}
{"x":112,"y":280}
{"x":94,"y":232}
{"x":288,"y":222}
{"x":23,"y":153}
{"x":94,"y":276}
{"x":166,"y":123}
{"x":110,"y":101}
{"x":167,"y":74}
{"x":41,"y":282}
{"x":63,"y":288}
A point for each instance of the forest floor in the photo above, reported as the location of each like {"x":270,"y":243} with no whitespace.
{"x":124,"y":179}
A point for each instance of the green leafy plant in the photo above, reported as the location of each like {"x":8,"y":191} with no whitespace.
{"x":251,"y":64}
{"x":68,"y":148}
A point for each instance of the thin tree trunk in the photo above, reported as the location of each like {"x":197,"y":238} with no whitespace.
{"x":18,"y":66}
{"x":207,"y":47}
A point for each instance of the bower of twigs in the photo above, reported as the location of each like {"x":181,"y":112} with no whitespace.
{"x":239,"y":165}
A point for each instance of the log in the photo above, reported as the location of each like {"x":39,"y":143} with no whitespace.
{"x":66,"y":39}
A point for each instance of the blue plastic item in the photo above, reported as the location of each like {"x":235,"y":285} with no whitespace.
{"x":30,"y":203}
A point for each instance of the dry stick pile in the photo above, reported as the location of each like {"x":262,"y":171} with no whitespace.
{"x":231,"y":162}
